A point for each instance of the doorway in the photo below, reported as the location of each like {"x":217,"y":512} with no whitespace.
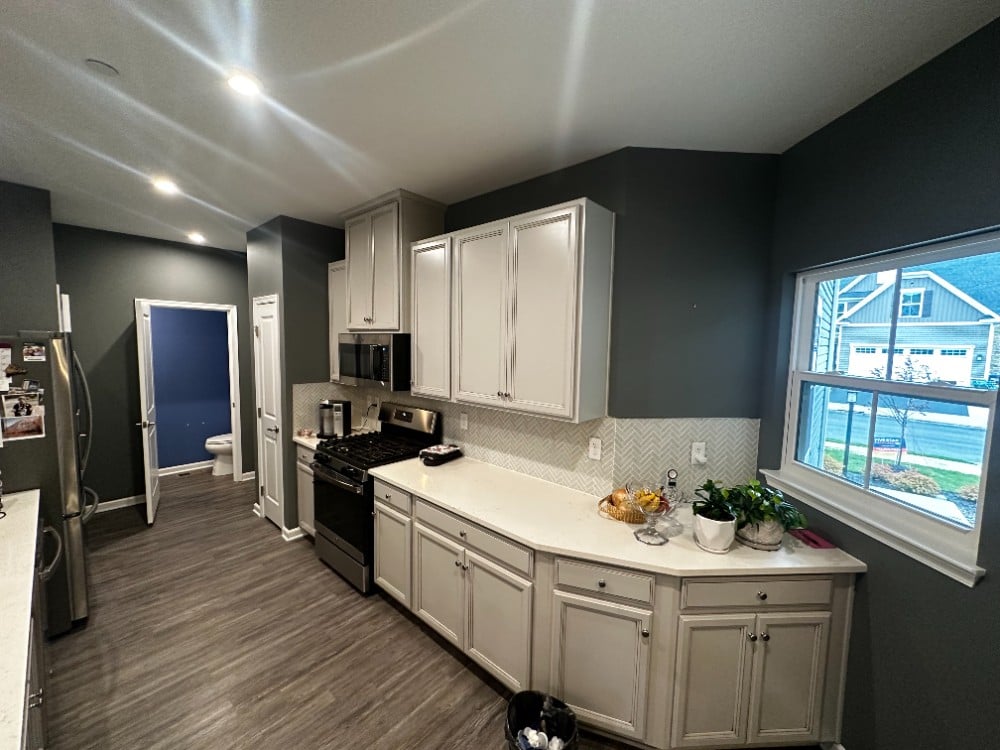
{"x":189,"y":382}
{"x":267,"y":371}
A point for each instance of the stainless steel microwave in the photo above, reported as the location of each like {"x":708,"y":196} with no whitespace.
{"x":376,"y":360}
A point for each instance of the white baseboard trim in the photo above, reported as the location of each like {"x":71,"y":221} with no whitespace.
{"x":257,"y":511}
{"x":181,"y":468}
{"x":123,"y":502}
{"x":248,"y":475}
{"x":290,"y":535}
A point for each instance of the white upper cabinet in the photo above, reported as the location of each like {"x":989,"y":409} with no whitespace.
{"x":376,"y":235}
{"x":532,"y":304}
{"x":430,"y":363}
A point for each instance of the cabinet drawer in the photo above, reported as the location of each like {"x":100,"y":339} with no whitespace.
{"x":386,"y":493}
{"x":600,"y":579}
{"x":305,"y":455}
{"x":759,"y":592}
{"x":509,"y":553}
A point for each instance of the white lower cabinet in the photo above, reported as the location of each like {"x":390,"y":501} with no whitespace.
{"x":476,"y":604}
{"x":750,"y":678}
{"x":600,"y":661}
{"x":304,"y":491}
{"x":392,"y":552}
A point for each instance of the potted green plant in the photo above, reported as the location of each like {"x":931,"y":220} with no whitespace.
{"x":714,"y":518}
{"x":763,"y":515}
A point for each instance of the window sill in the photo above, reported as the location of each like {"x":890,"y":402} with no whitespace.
{"x":817,"y":491}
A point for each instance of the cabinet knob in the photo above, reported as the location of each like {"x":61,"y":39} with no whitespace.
{"x":602,"y":583}
{"x":465,"y":567}
{"x":506,"y":395}
{"x":388,"y":496}
{"x":645,"y":632}
{"x":458,"y":563}
{"x":751,"y":636}
{"x":373,"y":514}
{"x":765,"y":637}
{"x":462,"y":533}
{"x":499,"y":395}
{"x":762,"y":595}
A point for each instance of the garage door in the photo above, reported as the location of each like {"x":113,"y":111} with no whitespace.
{"x":951,"y":363}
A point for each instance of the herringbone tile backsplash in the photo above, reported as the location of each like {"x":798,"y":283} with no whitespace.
{"x":633,"y":449}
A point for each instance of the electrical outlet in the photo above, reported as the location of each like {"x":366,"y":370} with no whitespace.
{"x":463,"y":421}
{"x":594,"y":449}
{"x":698,"y":453}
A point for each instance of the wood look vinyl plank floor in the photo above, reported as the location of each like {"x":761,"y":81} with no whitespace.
{"x":208,"y":630}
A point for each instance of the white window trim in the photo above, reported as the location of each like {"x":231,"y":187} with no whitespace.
{"x":938,"y":544}
{"x":920,"y":304}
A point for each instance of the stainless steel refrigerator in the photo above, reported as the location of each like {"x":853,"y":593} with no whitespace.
{"x":49,"y":452}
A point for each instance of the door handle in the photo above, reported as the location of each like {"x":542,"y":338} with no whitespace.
{"x":46,"y":573}
{"x":272,"y":430}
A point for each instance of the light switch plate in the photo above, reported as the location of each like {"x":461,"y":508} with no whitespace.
{"x":698,"y":453}
{"x":463,"y":421}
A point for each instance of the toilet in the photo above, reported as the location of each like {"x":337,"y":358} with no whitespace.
{"x":221,"y":446}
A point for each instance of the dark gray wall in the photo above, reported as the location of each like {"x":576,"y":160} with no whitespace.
{"x":27,"y":260}
{"x":104,"y":273}
{"x":919,"y":161}
{"x":692,"y":235}
{"x":289,"y":257}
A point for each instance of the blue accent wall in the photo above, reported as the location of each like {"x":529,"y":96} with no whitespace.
{"x":191,"y":381}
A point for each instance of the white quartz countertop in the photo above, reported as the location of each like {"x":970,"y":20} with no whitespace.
{"x":306,"y":442}
{"x":18,"y":532}
{"x":551,"y":518}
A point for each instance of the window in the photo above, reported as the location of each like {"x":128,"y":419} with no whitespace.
{"x":888,"y":418}
{"x":911,"y":303}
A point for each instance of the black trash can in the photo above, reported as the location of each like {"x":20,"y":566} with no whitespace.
{"x":530,"y":708}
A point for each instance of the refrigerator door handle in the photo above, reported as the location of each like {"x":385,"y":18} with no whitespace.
{"x":89,"y":509}
{"x":46,"y":573}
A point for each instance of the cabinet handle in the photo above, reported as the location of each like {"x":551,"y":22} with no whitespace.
{"x":751,"y":636}
{"x":765,"y":637}
{"x":762,"y":595}
{"x":602,"y":583}
{"x":645,"y":632}
{"x":35,"y":699}
{"x":373,"y":514}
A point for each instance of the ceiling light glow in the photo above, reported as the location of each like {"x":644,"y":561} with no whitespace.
{"x":165,"y":185}
{"x":197,"y":238}
{"x":244,"y":83}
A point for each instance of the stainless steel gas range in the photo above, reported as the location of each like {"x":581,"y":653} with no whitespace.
{"x":344,"y":490}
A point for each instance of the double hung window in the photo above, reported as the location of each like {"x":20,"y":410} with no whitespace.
{"x":891,"y":403}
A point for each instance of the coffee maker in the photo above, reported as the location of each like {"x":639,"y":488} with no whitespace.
{"x":334,"y":418}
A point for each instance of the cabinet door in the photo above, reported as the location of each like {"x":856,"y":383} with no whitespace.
{"x":542,"y":352}
{"x":430,"y":336}
{"x":392,"y":552}
{"x":337,"y":294}
{"x":385,"y":268}
{"x":789,"y":669}
{"x":304,"y":498}
{"x":714,"y":659}
{"x":480,"y":315}
{"x":498,"y":603}
{"x":600,"y":662}
{"x":360,"y":264}
{"x":439,"y":584}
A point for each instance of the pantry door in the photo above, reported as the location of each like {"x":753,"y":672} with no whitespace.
{"x":267,"y":368}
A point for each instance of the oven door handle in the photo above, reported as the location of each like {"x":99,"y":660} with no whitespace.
{"x":325,"y":475}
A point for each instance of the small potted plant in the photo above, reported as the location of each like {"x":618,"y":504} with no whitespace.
{"x":763,"y":515}
{"x":714,"y":518}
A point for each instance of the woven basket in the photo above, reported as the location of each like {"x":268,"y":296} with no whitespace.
{"x":627,"y":514}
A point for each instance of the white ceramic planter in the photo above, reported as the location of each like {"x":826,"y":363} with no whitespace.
{"x":765,"y":536}
{"x":714,"y":536}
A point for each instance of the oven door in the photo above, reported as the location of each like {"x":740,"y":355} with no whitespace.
{"x":344,"y":513}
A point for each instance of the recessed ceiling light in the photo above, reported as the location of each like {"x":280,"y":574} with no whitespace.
{"x":244,"y":83}
{"x":197,"y":238}
{"x":165,"y":186}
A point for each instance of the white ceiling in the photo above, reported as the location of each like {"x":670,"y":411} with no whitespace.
{"x":446,"y":98}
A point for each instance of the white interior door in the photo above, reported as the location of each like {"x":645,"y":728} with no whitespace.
{"x":267,"y":361}
{"x":147,"y":407}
